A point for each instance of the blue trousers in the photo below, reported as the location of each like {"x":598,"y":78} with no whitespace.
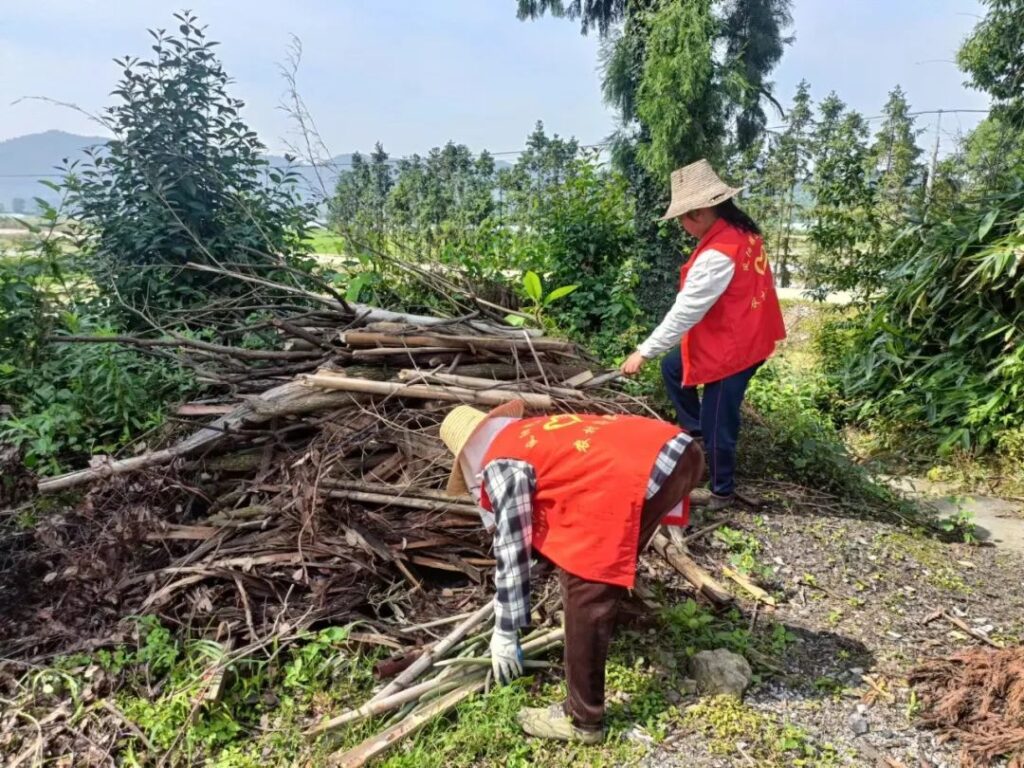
{"x":716,"y":416}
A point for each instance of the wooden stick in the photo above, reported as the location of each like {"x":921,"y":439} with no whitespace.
{"x":283,"y":395}
{"x":509,"y":372}
{"x":435,"y":623}
{"x":943,"y":614}
{"x":375,"y":353}
{"x":180,"y":341}
{"x":755,"y":591}
{"x":380,"y":743}
{"x":492,"y":343}
{"x":374,"y":314}
{"x":436,"y":651}
{"x":401,"y":501}
{"x":379,"y":707}
{"x":408,"y":491}
{"x":427,"y":392}
{"x":473,"y":382}
{"x":692,"y":572}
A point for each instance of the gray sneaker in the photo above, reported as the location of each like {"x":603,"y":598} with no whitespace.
{"x":552,"y":723}
{"x":716,"y":503}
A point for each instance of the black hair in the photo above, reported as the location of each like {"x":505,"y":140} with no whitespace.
{"x":736,"y":216}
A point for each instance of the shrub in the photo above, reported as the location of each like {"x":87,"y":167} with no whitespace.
{"x":183,"y":180}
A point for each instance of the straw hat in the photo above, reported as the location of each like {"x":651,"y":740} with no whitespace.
{"x":460,"y":425}
{"x":697,"y":186}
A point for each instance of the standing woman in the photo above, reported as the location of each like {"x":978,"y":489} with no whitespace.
{"x":723,"y":325}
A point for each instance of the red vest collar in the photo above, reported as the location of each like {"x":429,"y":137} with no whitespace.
{"x":713,"y":231}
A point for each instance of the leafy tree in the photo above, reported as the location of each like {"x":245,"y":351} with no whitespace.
{"x":754,"y":44}
{"x":786,"y":170}
{"x":361,"y":195}
{"x":842,"y":217}
{"x":448,"y":185}
{"x":581,"y":233}
{"x":938,"y":356}
{"x":183,"y":181}
{"x":894,"y":156}
{"x":545,"y":163}
{"x":677,"y":99}
{"x":993,"y":58}
{"x":992,"y":156}
{"x":678,"y":102}
{"x":593,"y":14}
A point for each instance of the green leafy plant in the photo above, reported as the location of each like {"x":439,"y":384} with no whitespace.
{"x":960,"y":523}
{"x":184,"y":180}
{"x":539,"y":301}
{"x":743,"y":551}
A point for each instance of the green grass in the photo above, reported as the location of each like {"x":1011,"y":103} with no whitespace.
{"x":270,"y":697}
{"x":325,"y":241}
{"x":751,"y":737}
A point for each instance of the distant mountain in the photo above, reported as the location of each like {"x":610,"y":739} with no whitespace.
{"x":27,"y":159}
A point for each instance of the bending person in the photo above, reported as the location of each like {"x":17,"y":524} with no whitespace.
{"x":587,"y":492}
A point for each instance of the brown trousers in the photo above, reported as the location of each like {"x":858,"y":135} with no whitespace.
{"x":591,"y":607}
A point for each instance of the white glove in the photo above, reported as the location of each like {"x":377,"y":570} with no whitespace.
{"x":506,"y":655}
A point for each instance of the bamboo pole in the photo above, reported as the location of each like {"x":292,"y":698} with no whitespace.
{"x":408,"y":491}
{"x":395,"y":700}
{"x":492,"y":343}
{"x":380,"y":743}
{"x":438,"y":650}
{"x":291,"y":393}
{"x":473,"y":382}
{"x":426,"y":392}
{"x":755,"y":591}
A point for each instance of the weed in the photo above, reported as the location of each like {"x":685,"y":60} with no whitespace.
{"x":961,"y":523}
{"x":693,"y":628}
{"x":779,"y":639}
{"x":734,"y":728}
{"x":743,"y":551}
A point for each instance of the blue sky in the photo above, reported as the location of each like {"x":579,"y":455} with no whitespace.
{"x":414,"y":74}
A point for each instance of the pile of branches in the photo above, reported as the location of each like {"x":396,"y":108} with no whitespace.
{"x":976,"y":696}
{"x":306,"y":488}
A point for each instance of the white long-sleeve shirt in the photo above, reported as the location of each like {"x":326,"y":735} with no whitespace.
{"x":705,"y":283}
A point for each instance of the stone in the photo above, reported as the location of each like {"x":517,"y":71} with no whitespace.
{"x":858,"y":724}
{"x":720,"y":672}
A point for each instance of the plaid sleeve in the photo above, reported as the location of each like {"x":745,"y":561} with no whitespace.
{"x":510,"y":485}
{"x":667,"y":459}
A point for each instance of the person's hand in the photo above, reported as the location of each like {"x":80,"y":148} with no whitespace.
{"x":506,"y":656}
{"x":633,"y":364}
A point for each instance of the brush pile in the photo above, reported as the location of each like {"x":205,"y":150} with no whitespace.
{"x":307,"y":488}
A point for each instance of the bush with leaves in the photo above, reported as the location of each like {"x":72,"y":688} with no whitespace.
{"x":60,"y":403}
{"x":940,"y":356}
{"x":581,"y":233}
{"x":937,"y":358}
{"x":184,"y":180}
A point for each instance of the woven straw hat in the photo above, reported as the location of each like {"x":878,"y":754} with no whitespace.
{"x":460,"y":425}
{"x":697,"y":186}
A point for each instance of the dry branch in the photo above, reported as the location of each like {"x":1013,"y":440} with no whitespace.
{"x":492,"y":397}
{"x":692,"y":572}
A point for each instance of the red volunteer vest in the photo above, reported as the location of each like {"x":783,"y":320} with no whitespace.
{"x":592,"y":474}
{"x":742,"y":327}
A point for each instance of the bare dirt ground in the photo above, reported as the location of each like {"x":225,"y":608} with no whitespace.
{"x":860,"y":598}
